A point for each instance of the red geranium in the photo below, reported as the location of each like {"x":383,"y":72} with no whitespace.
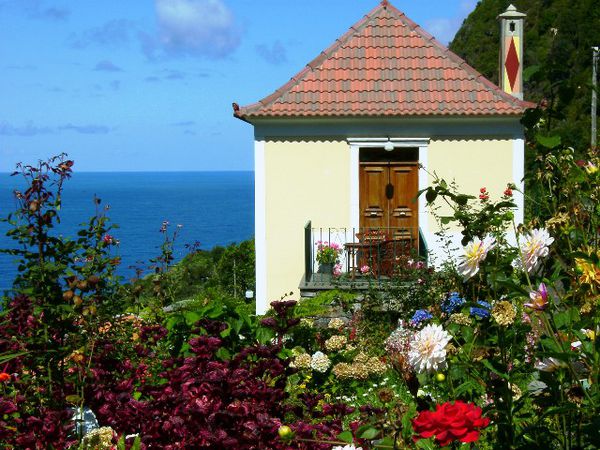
{"x":450,"y":422}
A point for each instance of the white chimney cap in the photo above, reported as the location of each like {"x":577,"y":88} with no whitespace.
{"x":511,"y":13}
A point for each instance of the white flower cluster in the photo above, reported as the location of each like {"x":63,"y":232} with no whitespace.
{"x":428,"y":349}
{"x":320,"y":362}
{"x":336,"y":323}
{"x":346,"y":447}
{"x":335,"y":343}
{"x":302,"y":361}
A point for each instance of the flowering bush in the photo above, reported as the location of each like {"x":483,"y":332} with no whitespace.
{"x":328,"y":253}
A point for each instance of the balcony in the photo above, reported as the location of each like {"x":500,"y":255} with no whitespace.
{"x":369,"y":256}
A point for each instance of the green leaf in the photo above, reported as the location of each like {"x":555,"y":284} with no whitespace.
{"x":386,"y":442}
{"x":489,"y":366}
{"x":346,"y":436}
{"x":426,"y":444}
{"x":463,"y":199}
{"x":226,"y":332}
{"x":191,"y":317}
{"x":369,"y":433}
{"x":8,"y":356}
{"x":430,"y":196}
{"x":223,"y":354}
{"x":565,"y":319}
{"x":264,"y":335}
{"x":137,"y":442}
{"x":530,"y":71}
{"x":548,"y":141}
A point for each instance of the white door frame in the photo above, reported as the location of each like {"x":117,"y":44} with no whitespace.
{"x":377,"y":142}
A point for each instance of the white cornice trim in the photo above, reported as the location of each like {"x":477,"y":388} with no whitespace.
{"x":397,"y":142}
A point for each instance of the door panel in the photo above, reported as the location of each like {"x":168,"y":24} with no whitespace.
{"x":388,"y":198}
{"x":373,"y":204}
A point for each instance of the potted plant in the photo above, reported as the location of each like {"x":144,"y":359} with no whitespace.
{"x":327,"y":256}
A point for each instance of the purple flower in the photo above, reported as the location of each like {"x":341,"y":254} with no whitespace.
{"x":419,"y":316}
{"x":483,"y":312}
{"x":452,"y":303}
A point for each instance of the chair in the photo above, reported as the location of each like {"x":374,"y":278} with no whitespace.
{"x":393,"y":255}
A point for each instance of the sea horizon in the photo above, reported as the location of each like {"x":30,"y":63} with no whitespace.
{"x":215,"y":208}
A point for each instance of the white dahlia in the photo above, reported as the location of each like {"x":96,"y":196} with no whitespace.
{"x":534,"y":246}
{"x":428,"y":349}
{"x":475,"y":252}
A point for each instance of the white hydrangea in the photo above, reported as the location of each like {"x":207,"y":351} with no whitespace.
{"x":346,"y":447}
{"x":320,"y":362}
{"x":427,"y":351}
{"x":336,"y":323}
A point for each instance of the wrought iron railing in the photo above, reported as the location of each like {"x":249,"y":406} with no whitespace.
{"x":365,"y":253}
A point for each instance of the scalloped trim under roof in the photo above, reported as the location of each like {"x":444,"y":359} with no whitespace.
{"x":386,"y":65}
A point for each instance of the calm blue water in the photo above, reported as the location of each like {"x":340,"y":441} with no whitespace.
{"x":214,"y":208}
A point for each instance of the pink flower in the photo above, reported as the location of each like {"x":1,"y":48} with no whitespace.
{"x":107,"y":239}
{"x":365,"y":269}
{"x":539,"y":298}
{"x":337,"y":270}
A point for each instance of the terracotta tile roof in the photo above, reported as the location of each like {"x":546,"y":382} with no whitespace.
{"x":385,"y":65}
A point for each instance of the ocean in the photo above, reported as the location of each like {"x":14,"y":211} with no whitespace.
{"x":213,"y":208}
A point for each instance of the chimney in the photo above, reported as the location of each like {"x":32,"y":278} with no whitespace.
{"x":511,"y":51}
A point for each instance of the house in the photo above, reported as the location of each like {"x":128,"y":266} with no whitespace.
{"x":344,"y":147}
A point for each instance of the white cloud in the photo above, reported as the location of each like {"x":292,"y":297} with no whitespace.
{"x":197,"y":27}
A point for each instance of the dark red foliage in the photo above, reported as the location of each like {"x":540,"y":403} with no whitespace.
{"x":25,"y":424}
{"x":202,"y":401}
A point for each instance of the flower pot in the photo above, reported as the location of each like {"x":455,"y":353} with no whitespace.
{"x":326,"y":268}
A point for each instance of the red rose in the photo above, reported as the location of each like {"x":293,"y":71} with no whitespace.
{"x":458,"y":421}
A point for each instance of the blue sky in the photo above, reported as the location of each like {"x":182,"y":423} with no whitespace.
{"x":148,"y":85}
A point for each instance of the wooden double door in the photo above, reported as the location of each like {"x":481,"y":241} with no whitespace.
{"x":388,"y":199}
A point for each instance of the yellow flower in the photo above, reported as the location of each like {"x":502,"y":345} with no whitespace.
{"x":460,"y":319}
{"x":589,"y":273}
{"x":504,"y":313}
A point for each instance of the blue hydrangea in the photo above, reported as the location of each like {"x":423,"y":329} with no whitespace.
{"x":420,"y":316}
{"x":483,"y":312}
{"x":452,"y":303}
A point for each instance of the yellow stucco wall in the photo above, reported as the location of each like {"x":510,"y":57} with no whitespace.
{"x":473,"y":164}
{"x":311,"y":180}
{"x":305,"y":180}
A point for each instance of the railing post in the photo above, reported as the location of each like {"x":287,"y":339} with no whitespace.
{"x":308,"y":269}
